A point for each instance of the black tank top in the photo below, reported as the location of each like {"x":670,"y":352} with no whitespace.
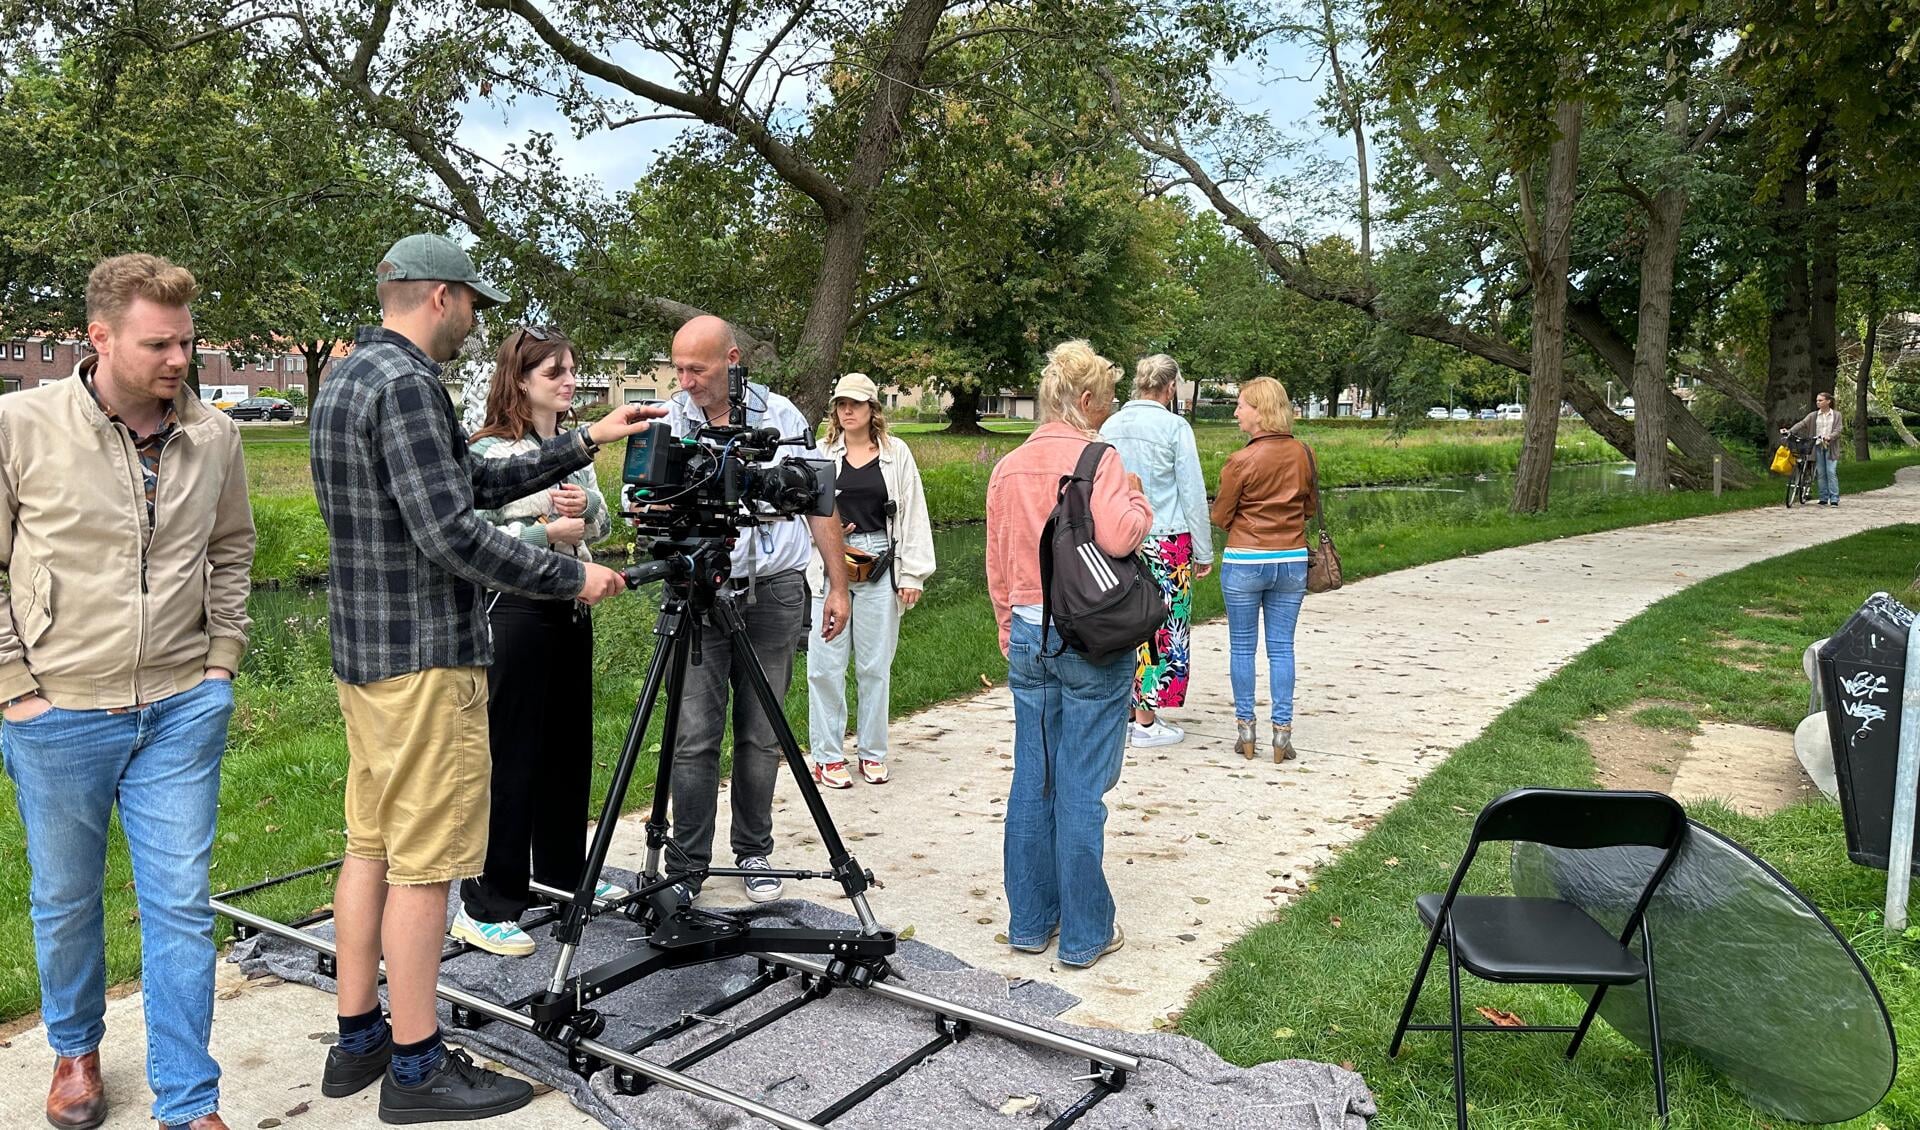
{"x":861,"y":496}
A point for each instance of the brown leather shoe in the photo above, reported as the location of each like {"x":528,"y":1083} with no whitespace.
{"x":77,"y":1100}
{"x":208,"y":1122}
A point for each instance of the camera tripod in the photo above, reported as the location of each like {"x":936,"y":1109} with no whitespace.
{"x":695,"y":572}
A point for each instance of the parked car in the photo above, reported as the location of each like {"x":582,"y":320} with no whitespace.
{"x":1462,"y":414}
{"x":1489,"y":413}
{"x":261,"y":408}
{"x":1514,"y":412}
{"x":1436,"y":413}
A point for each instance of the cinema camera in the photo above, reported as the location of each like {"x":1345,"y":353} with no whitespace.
{"x":720,"y":478}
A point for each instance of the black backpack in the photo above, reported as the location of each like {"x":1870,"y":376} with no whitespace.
{"x":1101,"y":605}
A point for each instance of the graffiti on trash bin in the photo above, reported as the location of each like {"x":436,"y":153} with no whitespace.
{"x":1858,"y":691}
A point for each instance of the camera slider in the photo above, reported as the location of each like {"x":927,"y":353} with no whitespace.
{"x":699,"y":937}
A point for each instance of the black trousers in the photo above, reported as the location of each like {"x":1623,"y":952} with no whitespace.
{"x":540,"y":713}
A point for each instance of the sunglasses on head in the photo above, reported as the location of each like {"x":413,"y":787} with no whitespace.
{"x":540,"y":333}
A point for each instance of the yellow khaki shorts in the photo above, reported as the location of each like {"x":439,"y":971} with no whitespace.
{"x":419,"y":772}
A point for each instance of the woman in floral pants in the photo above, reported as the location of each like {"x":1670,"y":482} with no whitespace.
{"x":1157,"y":445}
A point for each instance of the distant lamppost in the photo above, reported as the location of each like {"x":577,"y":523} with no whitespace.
{"x":1609,"y":396}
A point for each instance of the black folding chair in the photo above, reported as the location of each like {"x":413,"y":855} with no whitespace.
{"x":1537,"y":941}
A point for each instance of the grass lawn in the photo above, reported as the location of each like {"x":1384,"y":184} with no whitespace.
{"x":1326,"y":979}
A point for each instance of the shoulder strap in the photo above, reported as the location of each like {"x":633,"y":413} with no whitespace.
{"x":1313,"y":472}
{"x":1084,"y":468}
{"x":1089,"y":463}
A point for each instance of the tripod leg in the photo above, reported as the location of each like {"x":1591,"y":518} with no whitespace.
{"x":669,"y":741}
{"x":852,"y":880}
{"x":670,"y":643}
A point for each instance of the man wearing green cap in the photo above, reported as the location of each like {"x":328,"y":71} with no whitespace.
{"x":410,"y":563}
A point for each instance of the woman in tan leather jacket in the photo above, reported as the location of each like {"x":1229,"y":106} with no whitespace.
{"x":1266,"y":496}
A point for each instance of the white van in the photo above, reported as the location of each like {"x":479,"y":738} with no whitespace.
{"x":1437,"y":412}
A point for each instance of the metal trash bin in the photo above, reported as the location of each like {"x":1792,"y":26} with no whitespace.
{"x":1862,"y":670}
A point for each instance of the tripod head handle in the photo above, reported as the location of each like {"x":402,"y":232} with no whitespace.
{"x":652,"y":571}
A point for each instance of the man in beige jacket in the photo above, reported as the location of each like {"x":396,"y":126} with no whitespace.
{"x":127,"y":539}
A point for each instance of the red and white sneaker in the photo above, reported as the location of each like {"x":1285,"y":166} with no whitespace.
{"x":833,"y":774}
{"x":873,"y":772}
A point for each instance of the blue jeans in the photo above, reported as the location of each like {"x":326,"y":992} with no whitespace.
{"x":1825,"y":476}
{"x":1274,"y":591}
{"x":162,"y":764}
{"x":1069,"y":738}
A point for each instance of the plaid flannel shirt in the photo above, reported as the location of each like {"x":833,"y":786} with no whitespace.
{"x":409,"y":559}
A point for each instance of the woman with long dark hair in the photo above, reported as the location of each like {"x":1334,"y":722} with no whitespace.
{"x":540,"y":687}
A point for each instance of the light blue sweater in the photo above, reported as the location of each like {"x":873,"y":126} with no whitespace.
{"x":1158,"y":446}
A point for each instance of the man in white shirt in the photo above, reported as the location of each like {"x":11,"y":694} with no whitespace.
{"x":769,"y":576}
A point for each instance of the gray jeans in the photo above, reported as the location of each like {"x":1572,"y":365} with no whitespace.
{"x":774,"y":622}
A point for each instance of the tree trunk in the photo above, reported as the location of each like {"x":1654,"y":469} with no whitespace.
{"x":813,"y":363}
{"x":1892,"y":414}
{"x":1693,"y":470}
{"x":843,"y":243}
{"x":963,"y":419}
{"x":1609,"y":425}
{"x":1727,"y":385}
{"x":1651,"y":345}
{"x":1790,"y":331}
{"x":1863,"y":383}
{"x":1823,"y":278}
{"x":1548,"y":267}
{"x":317,"y":353}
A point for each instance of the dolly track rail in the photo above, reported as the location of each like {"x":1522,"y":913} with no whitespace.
{"x":983,"y":1021}
{"x":505,"y":1015}
{"x":1111,"y":1068}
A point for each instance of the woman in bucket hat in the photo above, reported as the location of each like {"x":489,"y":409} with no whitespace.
{"x":889,"y":558}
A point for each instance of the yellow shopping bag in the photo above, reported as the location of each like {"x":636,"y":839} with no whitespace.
{"x":1783,"y":461}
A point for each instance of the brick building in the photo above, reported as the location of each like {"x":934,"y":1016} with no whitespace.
{"x":30,"y":362}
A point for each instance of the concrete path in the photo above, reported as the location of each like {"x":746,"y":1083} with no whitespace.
{"x":1394,"y":672}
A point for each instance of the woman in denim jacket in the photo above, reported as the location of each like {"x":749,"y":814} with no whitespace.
{"x":1157,"y":445}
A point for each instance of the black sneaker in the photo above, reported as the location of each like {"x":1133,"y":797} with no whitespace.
{"x":457,"y":1090}
{"x":348,"y":1073}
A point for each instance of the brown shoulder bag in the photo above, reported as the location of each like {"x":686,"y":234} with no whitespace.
{"x":1323,"y":560}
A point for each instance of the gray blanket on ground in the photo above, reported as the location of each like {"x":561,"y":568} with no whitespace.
{"x":805,"y":1061}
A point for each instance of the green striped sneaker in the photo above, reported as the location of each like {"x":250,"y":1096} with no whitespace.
{"x":504,"y":938}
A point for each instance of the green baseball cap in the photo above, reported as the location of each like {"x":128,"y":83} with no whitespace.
{"x":439,"y":259}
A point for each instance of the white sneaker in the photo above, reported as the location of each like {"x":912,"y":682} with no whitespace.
{"x":610,"y":892}
{"x":504,"y":938}
{"x":1160,"y":733}
{"x":760,"y":888}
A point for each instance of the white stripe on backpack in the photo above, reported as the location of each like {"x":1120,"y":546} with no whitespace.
{"x":1097,"y":566}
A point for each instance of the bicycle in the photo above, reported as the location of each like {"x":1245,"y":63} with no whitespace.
{"x":1800,"y":484}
